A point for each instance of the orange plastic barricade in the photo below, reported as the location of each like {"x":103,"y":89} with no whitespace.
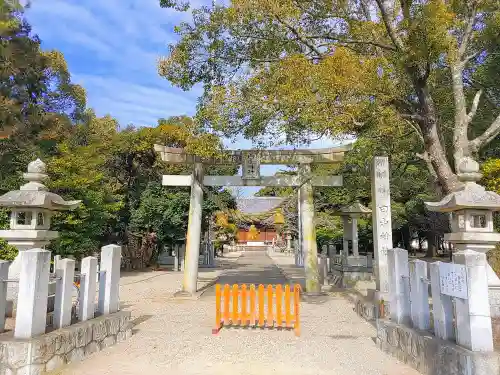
{"x":243,"y":306}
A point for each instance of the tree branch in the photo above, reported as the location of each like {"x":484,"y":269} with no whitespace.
{"x":460,"y":140}
{"x":426,"y":158}
{"x":366,"y":10}
{"x":382,"y":4}
{"x":352,"y":41}
{"x":299,"y":37}
{"x":475,"y":104}
{"x":488,"y":135}
{"x":469,"y":28}
{"x":412,"y":116}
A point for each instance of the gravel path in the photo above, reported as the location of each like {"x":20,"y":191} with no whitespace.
{"x":174,"y":337}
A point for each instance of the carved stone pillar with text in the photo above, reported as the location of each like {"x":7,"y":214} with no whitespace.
{"x":313,"y":285}
{"x":382,"y":223}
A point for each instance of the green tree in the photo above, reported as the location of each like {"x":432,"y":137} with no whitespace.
{"x":38,"y":102}
{"x":117,"y":175}
{"x":331,"y":67}
{"x":7,"y":252}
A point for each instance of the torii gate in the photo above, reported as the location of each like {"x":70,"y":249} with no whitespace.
{"x":251,"y":161}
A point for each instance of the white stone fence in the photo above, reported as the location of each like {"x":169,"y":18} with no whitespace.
{"x":34,"y":280}
{"x":459,"y":290}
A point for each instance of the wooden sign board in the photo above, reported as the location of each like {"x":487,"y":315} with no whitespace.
{"x":453,"y":280}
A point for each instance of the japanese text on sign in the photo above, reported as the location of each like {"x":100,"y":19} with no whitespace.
{"x":453,"y":280}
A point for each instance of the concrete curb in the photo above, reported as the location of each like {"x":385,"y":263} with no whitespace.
{"x":180,"y":297}
{"x":289,"y":278}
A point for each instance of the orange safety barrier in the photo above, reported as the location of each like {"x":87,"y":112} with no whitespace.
{"x":243,"y":306}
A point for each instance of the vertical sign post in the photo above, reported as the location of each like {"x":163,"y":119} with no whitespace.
{"x":381,"y":217}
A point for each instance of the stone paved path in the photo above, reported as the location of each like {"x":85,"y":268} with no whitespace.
{"x":174,"y":337}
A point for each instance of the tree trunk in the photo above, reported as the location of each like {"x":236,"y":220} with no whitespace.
{"x":447,"y":179}
{"x":431,"y":245}
{"x":427,"y":121}
{"x":405,"y":236}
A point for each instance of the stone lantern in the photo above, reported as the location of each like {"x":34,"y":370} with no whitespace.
{"x":32,"y":208}
{"x":350,"y":215}
{"x":471,"y":215}
{"x":350,"y":269}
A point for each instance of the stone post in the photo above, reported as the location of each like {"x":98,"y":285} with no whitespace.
{"x":345,"y":238}
{"x":31,"y":317}
{"x":176,"y":258}
{"x":65,"y":273}
{"x":109,"y":282}
{"x":88,"y":283}
{"x":323,"y":265}
{"x":4,"y":275}
{"x":419,"y":295}
{"x":211,"y":254}
{"x":309,"y":232}
{"x":354,"y":231}
{"x":473,"y":319}
{"x":382,"y":224}
{"x":193,"y":237}
{"x":399,"y":286}
{"x":442,"y":306}
{"x":57,"y":259}
{"x":324,"y":250}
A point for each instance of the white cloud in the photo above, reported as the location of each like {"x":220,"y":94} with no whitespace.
{"x":112,"y":48}
{"x":133,"y":102}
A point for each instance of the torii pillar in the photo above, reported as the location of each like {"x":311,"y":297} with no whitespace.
{"x":193,"y":237}
{"x":251,"y":161}
{"x":308,"y":229}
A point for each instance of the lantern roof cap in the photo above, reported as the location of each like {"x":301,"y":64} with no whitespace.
{"x":471,"y":195}
{"x":34,"y":194}
{"x":355,"y":208}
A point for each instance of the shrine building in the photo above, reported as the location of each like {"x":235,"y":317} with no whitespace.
{"x":263,"y":231}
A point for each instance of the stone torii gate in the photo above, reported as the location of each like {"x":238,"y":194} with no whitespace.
{"x":250,"y":160}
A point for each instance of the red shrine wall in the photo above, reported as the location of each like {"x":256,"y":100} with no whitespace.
{"x":265,"y":235}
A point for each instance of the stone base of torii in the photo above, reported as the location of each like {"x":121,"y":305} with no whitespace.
{"x":251,"y":161}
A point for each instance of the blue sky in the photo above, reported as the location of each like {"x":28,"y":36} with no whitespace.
{"x":112,"y":48}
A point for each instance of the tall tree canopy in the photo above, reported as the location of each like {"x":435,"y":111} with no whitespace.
{"x":115,"y":172}
{"x":341,"y":67}
{"x":38,"y":102}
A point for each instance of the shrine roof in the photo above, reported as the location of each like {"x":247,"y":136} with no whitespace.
{"x":255,"y":205}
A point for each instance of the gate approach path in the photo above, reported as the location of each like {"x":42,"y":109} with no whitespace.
{"x":174,"y":337}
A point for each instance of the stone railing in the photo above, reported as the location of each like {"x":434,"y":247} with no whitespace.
{"x":32,"y":306}
{"x":34,"y":280}
{"x":176,"y":260}
{"x":458,"y":314}
{"x":459,"y":297}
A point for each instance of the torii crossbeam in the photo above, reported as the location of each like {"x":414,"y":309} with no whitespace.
{"x":251,"y":161}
